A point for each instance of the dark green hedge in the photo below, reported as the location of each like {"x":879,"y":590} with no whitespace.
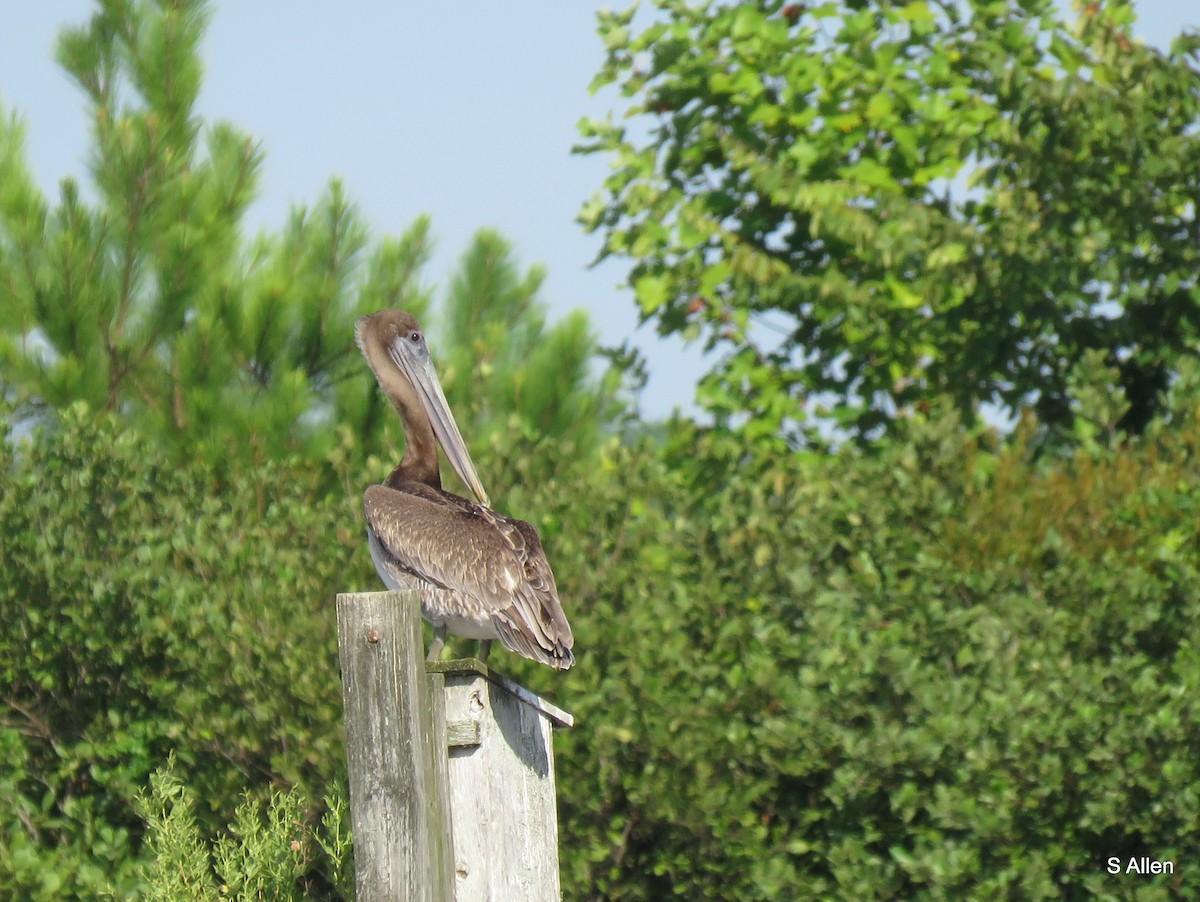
{"x":942,"y":671}
{"x":145,"y":610}
{"x":945,"y":669}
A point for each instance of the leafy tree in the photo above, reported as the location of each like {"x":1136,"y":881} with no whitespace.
{"x":139,"y":293}
{"x":869,"y":204}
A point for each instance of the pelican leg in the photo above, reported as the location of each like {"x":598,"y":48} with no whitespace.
{"x":485,"y":649}
{"x":438,"y":643}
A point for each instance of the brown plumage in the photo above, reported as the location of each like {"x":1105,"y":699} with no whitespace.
{"x":479,"y":574}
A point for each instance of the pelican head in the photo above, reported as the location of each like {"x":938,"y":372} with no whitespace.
{"x":394,"y":345}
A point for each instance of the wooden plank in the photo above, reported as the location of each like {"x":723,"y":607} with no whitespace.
{"x":558,"y":717}
{"x":462,"y":732}
{"x":398,"y":797}
{"x":503,"y":800}
{"x":439,"y":803}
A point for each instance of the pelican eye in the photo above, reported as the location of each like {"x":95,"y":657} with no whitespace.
{"x":414,"y":337}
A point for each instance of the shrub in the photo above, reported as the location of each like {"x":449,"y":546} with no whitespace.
{"x":942,"y":670}
{"x":147,"y":610}
{"x":947,"y":668}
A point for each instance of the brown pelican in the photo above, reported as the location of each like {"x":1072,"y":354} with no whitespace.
{"x":480,"y":574}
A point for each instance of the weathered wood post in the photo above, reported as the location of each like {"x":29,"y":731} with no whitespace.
{"x":502,"y":795}
{"x":396,"y":752}
{"x":452,"y":790}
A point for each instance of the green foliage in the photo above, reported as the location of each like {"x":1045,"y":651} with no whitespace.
{"x":149,"y":608}
{"x":267,"y":854}
{"x":946,"y":670}
{"x":501,"y":362}
{"x":867,"y":206}
{"x":140,"y":294}
{"x":182,"y":866}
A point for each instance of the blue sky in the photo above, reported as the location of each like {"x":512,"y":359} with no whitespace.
{"x":465,"y":111}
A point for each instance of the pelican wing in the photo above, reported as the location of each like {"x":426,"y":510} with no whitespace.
{"x":489,"y":560}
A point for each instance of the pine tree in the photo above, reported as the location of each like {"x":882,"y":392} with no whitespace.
{"x":139,"y":292}
{"x":522,"y":385}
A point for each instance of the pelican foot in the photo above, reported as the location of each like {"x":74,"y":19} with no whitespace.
{"x":438,"y":643}
{"x":485,"y":649}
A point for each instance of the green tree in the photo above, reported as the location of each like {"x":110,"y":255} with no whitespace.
{"x":140,"y":294}
{"x":524,"y":388}
{"x":868,"y":204}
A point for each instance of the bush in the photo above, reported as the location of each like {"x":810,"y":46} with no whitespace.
{"x":147,"y":610}
{"x":943,"y":670}
{"x":948,"y":668}
{"x":268,"y":852}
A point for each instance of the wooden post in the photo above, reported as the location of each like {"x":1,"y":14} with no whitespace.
{"x":398,"y":797}
{"x":451,"y":767}
{"x":502,"y":797}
